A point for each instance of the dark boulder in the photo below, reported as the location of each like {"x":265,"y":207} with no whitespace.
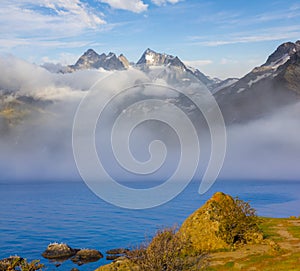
{"x":86,"y":256}
{"x":59,"y":251}
{"x":116,"y":253}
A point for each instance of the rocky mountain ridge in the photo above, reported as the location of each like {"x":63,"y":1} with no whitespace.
{"x":92,"y":60}
{"x":266,"y":88}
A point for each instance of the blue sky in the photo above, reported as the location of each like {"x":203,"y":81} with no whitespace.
{"x":221,"y":38}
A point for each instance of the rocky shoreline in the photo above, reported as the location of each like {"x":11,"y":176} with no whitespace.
{"x":223,"y":228}
{"x":57,"y":253}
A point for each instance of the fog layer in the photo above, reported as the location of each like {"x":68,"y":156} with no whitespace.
{"x":37,"y":110}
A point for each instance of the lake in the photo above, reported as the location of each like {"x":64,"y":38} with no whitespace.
{"x":34,"y":214}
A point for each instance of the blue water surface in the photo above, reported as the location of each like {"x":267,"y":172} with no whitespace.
{"x":32,"y":215}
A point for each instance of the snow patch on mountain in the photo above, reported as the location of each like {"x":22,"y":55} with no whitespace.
{"x":258,"y":78}
{"x":279,"y":62}
{"x":150,"y":58}
{"x":224,"y":84}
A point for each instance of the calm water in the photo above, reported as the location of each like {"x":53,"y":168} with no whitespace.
{"x":33,"y":215}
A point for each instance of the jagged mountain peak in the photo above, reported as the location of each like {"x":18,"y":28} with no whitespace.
{"x":283,"y":51}
{"x":89,"y":52}
{"x":148,"y":50}
{"x":92,"y":60}
{"x":111,"y":54}
{"x":152,"y":58}
{"x":272,"y":85}
{"x":281,"y":56}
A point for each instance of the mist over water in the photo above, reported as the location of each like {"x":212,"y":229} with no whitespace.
{"x":39,"y":147}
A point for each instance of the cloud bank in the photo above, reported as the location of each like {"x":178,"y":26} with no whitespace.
{"x":38,"y":146}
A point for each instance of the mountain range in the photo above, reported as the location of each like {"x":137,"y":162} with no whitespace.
{"x":274,"y":84}
{"x":37,"y":109}
{"x":266,"y":88}
{"x":110,"y":62}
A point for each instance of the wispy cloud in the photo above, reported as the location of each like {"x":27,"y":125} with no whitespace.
{"x":198,"y":63}
{"x":136,"y":6}
{"x":164,"y":2}
{"x":221,"y":18}
{"x":295,"y":7}
{"x":22,"y":21}
{"x":274,"y":16}
{"x":238,"y":18}
{"x":267,"y":34}
{"x":226,"y":61}
{"x":13,"y":42}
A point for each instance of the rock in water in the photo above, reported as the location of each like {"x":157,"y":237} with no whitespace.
{"x":221,"y":222}
{"x":116,"y":253}
{"x":59,"y":251}
{"x":86,"y":256}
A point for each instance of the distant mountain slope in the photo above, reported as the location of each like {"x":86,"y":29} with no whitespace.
{"x":274,"y":84}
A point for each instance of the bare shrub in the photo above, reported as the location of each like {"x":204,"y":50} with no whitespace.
{"x":166,"y":252}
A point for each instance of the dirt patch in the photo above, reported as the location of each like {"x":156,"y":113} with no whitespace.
{"x":290,"y":243}
{"x":243,"y":252}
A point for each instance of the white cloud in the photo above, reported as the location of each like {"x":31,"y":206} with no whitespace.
{"x":267,"y":34}
{"x":63,"y":59}
{"x":13,"y":42}
{"x":136,"y":6}
{"x":23,"y":78}
{"x":164,"y":2}
{"x":198,"y":63}
{"x":225,"y":61}
{"x":45,"y":20}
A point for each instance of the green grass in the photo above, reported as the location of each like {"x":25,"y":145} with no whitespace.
{"x":294,"y":230}
{"x":283,"y":260}
{"x":268,"y":226}
{"x":229,"y":264}
{"x":277,"y":263}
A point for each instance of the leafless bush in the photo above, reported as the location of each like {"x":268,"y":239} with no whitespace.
{"x":167,"y":252}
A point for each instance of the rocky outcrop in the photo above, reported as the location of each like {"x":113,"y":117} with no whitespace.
{"x":7,"y":262}
{"x":222,"y":222}
{"x":124,"y":61}
{"x":120,"y":264}
{"x":87,"y":256}
{"x":62,"y":252}
{"x":59,"y":251}
{"x":16,"y":263}
{"x":116,"y":253}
